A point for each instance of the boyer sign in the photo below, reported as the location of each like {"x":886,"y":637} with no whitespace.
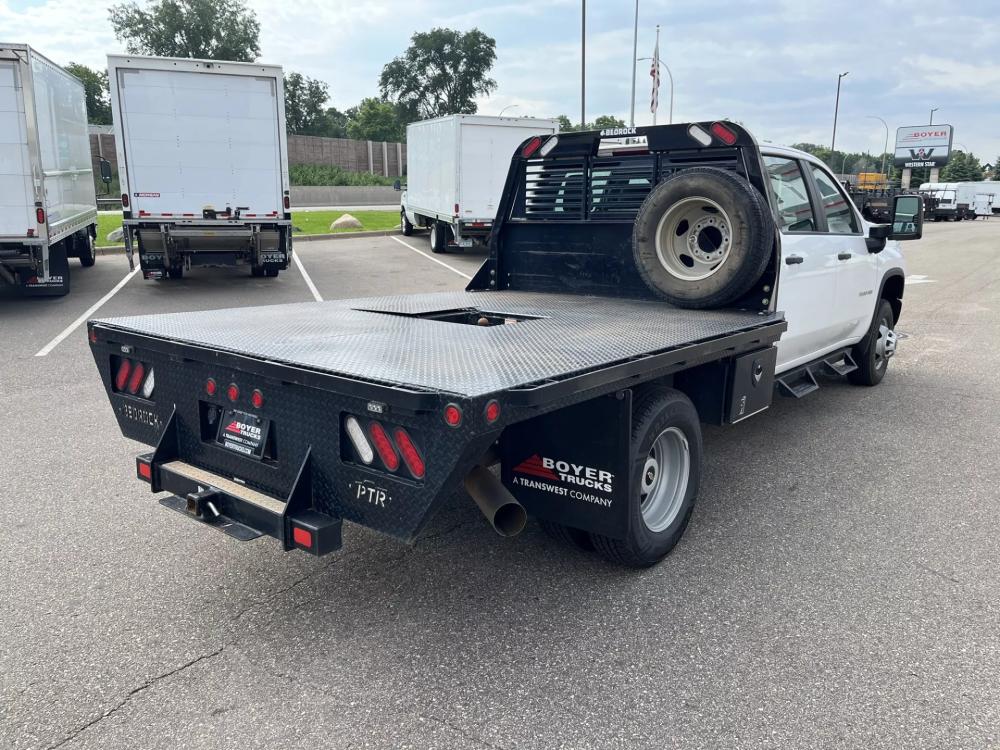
{"x":923,"y":146}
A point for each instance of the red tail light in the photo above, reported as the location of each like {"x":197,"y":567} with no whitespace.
{"x":144,"y":469}
{"x":211,"y":387}
{"x":384,"y":446}
{"x":723,"y":133}
{"x":531,"y":147}
{"x":411,"y":456}
{"x":40,"y":215}
{"x":492,"y":411}
{"x":452,"y":415}
{"x":124,"y":369}
{"x":302,"y":537}
{"x":257,"y":398}
{"x":233,"y":392}
{"x":138,"y":373}
{"x":124,"y":200}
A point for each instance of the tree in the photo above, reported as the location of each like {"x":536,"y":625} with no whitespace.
{"x":441,"y":73}
{"x":601,"y":123}
{"x":95,"y":86}
{"x":304,"y":105}
{"x":375,"y":120}
{"x":206,"y":29}
{"x":336,"y":123}
{"x":962,"y":167}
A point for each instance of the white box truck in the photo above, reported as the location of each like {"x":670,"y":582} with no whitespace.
{"x":455,"y":171}
{"x":48,"y":205}
{"x":203,"y":164}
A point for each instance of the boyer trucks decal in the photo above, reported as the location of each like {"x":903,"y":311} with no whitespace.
{"x":565,"y":479}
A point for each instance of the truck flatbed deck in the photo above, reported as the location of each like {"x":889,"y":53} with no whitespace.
{"x":431,"y":342}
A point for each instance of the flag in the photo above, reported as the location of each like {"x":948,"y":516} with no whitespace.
{"x":654,"y":73}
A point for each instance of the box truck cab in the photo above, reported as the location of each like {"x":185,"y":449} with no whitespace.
{"x":456,"y":168}
{"x":203,"y":164}
{"x":48,"y":206}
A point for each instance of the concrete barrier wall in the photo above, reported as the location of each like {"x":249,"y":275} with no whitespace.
{"x":343,"y":196}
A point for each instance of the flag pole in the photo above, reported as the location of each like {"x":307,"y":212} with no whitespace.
{"x":635,"y":53}
{"x":656,"y":64}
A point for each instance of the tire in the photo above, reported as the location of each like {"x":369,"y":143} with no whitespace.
{"x":702,"y":238}
{"x":873,"y":352}
{"x":439,"y":237}
{"x":666,"y":433}
{"x":405,"y":227}
{"x":567,"y":535}
{"x":257,"y":271}
{"x":177,"y":272}
{"x":87,"y":252}
{"x":271,"y":272}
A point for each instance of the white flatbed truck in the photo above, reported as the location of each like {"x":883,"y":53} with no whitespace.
{"x":203,"y":164}
{"x":48,"y":203}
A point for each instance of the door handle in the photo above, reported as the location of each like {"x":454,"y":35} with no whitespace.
{"x":843,"y":256}
{"x":791,"y":260}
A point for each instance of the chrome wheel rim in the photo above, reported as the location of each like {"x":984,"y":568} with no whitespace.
{"x":885,"y":344}
{"x":694,"y":239}
{"x":664,"y":481}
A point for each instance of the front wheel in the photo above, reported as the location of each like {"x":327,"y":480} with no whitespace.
{"x":666,"y":444}
{"x":405,"y":227}
{"x":873,"y":352}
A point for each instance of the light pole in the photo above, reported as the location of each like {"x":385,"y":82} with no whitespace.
{"x":836,"y":109}
{"x":670,"y":76}
{"x":931,"y":120}
{"x":635,"y":49}
{"x":509,"y":106}
{"x":583,"y":63}
{"x":885,"y":149}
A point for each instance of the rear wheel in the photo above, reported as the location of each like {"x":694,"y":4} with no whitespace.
{"x":405,"y":227}
{"x":257,"y":271}
{"x":270,"y":272}
{"x":702,"y":238}
{"x":439,"y":237}
{"x":177,"y":272}
{"x":666,"y":444}
{"x":873,"y":352}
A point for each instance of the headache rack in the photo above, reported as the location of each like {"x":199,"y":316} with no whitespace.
{"x":565,"y":220}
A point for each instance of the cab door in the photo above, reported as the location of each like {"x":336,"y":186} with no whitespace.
{"x":856,"y":268}
{"x":807,"y":278}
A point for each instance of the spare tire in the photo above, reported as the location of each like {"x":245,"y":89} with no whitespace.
{"x":702,"y":238}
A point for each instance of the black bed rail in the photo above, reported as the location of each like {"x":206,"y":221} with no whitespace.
{"x":564,"y":222}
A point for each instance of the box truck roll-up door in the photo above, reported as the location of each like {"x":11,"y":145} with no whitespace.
{"x":17,"y":203}
{"x":200,"y":140}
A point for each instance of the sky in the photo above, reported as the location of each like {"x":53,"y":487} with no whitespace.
{"x":770,"y":64}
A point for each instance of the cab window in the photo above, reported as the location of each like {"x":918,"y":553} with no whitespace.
{"x":795,"y":213}
{"x":840,"y":218}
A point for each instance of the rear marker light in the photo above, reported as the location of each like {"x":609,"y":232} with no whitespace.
{"x":531,"y":147}
{"x":149,"y":385}
{"x":411,"y":456}
{"x":358,"y":440}
{"x":211,"y":387}
{"x":92,"y":335}
{"x":145,"y":470}
{"x":257,"y":398}
{"x":549,"y":145}
{"x":723,"y":133}
{"x":452,"y":415}
{"x":287,"y":203}
{"x":40,"y":215}
{"x":138,"y":372}
{"x":492,"y":411}
{"x":384,"y":446}
{"x":700,"y":134}
{"x":302,"y":537}
{"x":124,"y":369}
{"x":233,"y":392}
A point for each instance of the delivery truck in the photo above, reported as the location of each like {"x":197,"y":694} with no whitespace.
{"x":48,"y":206}
{"x":456,"y":166}
{"x":203,"y":164}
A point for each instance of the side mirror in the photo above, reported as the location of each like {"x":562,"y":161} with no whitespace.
{"x":397,"y":185}
{"x":907,"y":217}
{"x":106,"y":171}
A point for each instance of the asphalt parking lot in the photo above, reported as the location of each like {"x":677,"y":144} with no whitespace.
{"x":838,"y":586}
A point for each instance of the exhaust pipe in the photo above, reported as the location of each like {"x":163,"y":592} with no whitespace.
{"x":505,"y":514}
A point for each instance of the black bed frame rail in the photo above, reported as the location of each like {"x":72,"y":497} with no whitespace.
{"x":564,"y":222}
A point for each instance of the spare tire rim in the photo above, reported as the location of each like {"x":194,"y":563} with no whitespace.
{"x":693,"y":238}
{"x":664,"y":481}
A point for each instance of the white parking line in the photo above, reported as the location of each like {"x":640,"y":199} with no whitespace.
{"x":309,"y":282}
{"x":83,"y":318}
{"x":431,"y":257}
{"x":918,"y":279}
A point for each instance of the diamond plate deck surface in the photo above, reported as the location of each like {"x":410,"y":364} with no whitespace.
{"x":357,"y":339}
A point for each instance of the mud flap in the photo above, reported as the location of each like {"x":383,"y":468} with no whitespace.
{"x":57,"y":282}
{"x":572,"y":466}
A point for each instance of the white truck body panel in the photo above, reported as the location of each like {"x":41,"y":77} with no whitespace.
{"x":194,"y":135}
{"x":44,"y":149}
{"x":463,"y":160}
{"x":965,"y":192}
